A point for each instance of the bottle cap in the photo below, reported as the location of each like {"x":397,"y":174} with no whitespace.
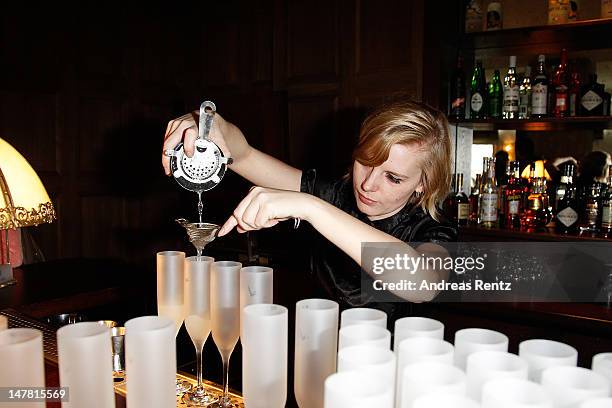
{"x":513,"y":61}
{"x":541,"y":58}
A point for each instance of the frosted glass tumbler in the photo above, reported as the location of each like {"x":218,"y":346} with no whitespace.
{"x":85,"y":365}
{"x":468,"y":341}
{"x":171,"y":286}
{"x":316,"y":349}
{"x":364,"y":334}
{"x":264,"y":345}
{"x":570,"y":386}
{"x":376,"y":362}
{"x":602,"y":364}
{"x":484,"y":366}
{"x":22,"y":364}
{"x":514,"y":393}
{"x":363,"y":315}
{"x":444,"y":401}
{"x":356,"y":389}
{"x":428,"y":377}
{"x":597,"y":403}
{"x":150,"y":355}
{"x":541,"y":354}
{"x":256,"y":286}
{"x":414,"y":326}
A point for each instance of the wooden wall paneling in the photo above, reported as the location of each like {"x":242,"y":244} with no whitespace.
{"x":385,"y":35}
{"x":312,"y":130}
{"x":312,"y":41}
{"x":28,"y":122}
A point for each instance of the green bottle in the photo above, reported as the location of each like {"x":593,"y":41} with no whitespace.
{"x":478,"y":90}
{"x":496,"y":96}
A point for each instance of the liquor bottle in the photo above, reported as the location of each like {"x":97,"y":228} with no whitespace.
{"x":591,"y":98}
{"x":591,"y":214}
{"x":488,"y":198}
{"x":606,"y":210}
{"x":494,"y":16}
{"x":534,"y":214}
{"x":495,"y":96}
{"x":514,"y":197}
{"x":566,"y":202}
{"x":478,"y":92}
{"x":457,"y":100}
{"x":573,"y":11}
{"x":449,"y":206}
{"x":511,"y":91}
{"x":525,"y":95}
{"x":463,"y":203}
{"x":539,"y":96}
{"x":560,"y":84}
{"x":473,"y":199}
{"x":606,"y":8}
{"x":567,"y":180}
{"x":574,"y":93}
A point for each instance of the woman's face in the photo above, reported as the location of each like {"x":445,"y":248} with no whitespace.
{"x":384,"y":190}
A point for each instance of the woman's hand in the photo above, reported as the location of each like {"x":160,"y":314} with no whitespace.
{"x":266,"y":207}
{"x":185,"y":129}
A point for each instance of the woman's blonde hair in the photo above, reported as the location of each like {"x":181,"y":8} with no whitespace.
{"x":410,"y":123}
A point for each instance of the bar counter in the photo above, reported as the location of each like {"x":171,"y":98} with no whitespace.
{"x":111,"y":289}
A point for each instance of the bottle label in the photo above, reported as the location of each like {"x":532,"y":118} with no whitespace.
{"x":524,"y":104}
{"x":567,"y":216}
{"x":591,"y":212}
{"x":488,"y":208}
{"x":513,"y":206}
{"x":476,"y":102}
{"x":463,"y":211}
{"x":511,"y":99}
{"x":606,"y":216}
{"x":561,"y":97}
{"x":590,"y":100}
{"x":538,"y":99}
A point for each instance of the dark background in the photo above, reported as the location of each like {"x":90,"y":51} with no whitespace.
{"x":86,"y":94}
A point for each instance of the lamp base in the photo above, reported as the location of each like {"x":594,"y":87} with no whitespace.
{"x":6,"y":275}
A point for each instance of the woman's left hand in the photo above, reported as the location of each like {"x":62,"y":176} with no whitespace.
{"x":264,"y":208}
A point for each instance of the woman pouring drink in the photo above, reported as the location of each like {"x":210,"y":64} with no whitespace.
{"x":400,"y":173}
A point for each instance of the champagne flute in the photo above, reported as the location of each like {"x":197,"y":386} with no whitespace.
{"x":197,"y":320}
{"x":170,"y":294}
{"x":225,"y":316}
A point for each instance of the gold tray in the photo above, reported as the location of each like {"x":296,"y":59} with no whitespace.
{"x":213,"y":388}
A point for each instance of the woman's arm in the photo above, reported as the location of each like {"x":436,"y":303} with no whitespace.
{"x":257,"y":167}
{"x":263,"y":208}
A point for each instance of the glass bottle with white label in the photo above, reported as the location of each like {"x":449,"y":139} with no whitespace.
{"x":488,"y":198}
{"x":566,"y":202}
{"x":511,"y":92}
{"x":525,"y":95}
{"x":478,"y":93}
{"x":591,"y":98}
{"x":514,"y":197}
{"x":539,"y":90}
{"x":463,"y":203}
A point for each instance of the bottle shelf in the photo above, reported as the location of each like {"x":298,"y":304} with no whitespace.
{"x":544,"y":124}
{"x":581,"y":35}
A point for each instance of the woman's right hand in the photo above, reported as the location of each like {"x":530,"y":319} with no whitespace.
{"x":185,"y":129}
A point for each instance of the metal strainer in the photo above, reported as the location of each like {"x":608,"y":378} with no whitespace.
{"x":207,"y":167}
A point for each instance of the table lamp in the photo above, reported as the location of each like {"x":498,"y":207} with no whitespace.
{"x":24,"y":201}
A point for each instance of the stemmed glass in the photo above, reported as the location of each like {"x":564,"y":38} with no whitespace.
{"x":170,"y":294}
{"x":197,"y":320}
{"x":225,"y":316}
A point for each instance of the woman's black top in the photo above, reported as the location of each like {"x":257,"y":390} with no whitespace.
{"x":339,"y":275}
